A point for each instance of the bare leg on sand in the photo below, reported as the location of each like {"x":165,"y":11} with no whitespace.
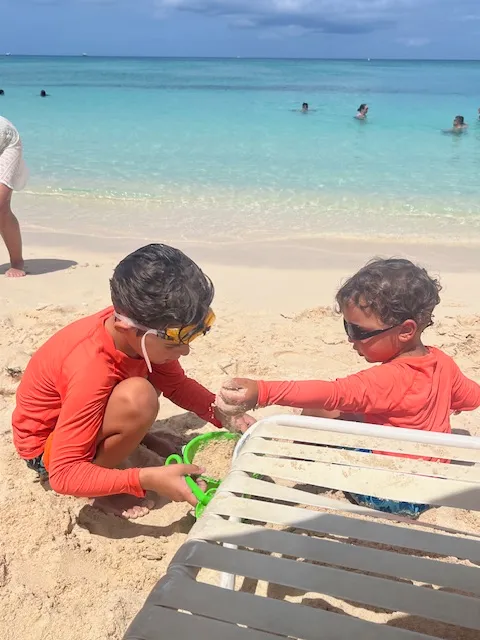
{"x":10,"y":232}
{"x":131,"y":411}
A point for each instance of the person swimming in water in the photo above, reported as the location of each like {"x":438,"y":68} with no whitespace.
{"x":2,"y":92}
{"x":305,"y":109}
{"x":362,"y":112}
{"x":459,"y":125}
{"x":43,"y":93}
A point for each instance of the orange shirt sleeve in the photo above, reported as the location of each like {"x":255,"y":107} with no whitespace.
{"x":465,"y":392}
{"x":186,"y":393}
{"x":375,"y":390}
{"x":85,"y":391}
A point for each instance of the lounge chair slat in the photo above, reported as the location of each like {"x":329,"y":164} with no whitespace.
{"x":375,"y":482}
{"x":315,"y":453}
{"x":242,"y":484}
{"x":331,"y":524}
{"x":154,"y":623}
{"x":470,"y":452}
{"x":347,"y":555}
{"x":449,"y":608}
{"x":276,"y":616}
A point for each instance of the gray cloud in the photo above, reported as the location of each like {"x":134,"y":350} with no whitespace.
{"x":329,"y":16}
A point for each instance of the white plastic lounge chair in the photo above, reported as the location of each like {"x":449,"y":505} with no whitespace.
{"x":255,"y":529}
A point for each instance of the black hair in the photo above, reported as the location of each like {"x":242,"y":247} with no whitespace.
{"x":460,"y":119}
{"x":394,"y":290}
{"x":43,"y":93}
{"x":361,"y":107}
{"x":305,"y":104}
{"x":2,"y":92}
{"x":159,"y":287}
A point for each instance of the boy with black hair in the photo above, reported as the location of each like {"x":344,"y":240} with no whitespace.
{"x":89,"y":395}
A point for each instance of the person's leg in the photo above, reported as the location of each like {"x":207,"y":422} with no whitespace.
{"x":130,"y":412}
{"x":10,"y":232}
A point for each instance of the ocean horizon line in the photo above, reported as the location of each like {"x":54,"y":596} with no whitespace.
{"x":217,"y":58}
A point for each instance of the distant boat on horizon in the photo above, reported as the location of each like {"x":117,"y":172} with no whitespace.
{"x":8,"y":54}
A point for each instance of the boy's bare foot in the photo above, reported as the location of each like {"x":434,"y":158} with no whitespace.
{"x":163,"y":446}
{"x":124,"y":506}
{"x":15,"y":272}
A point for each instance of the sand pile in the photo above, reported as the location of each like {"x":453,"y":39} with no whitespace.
{"x":216,"y":457}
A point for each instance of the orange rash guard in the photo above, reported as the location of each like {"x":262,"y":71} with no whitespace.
{"x":65,"y":389}
{"x":414,"y":393}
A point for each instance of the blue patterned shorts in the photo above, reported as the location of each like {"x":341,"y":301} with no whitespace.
{"x":408,"y":509}
{"x":36,"y":464}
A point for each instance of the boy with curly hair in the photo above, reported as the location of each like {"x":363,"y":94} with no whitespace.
{"x":386,"y":307}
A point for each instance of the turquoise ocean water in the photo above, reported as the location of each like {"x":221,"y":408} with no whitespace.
{"x":212,"y":148}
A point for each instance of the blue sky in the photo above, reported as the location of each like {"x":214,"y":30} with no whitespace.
{"x":258,"y":28}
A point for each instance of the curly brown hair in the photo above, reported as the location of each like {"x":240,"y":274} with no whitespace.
{"x":394,"y":290}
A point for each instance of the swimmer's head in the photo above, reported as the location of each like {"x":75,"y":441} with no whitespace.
{"x":43,"y":93}
{"x":305,"y":106}
{"x":459,"y":121}
{"x":2,"y":92}
{"x":363,"y":109}
{"x":158,"y":287}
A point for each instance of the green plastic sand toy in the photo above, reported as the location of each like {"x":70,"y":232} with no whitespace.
{"x":189,"y":451}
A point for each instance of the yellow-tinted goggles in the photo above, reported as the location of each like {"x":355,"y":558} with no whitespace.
{"x":185,"y":335}
{"x":177,"y":335}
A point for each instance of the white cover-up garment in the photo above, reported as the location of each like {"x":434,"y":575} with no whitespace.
{"x":13,"y":170}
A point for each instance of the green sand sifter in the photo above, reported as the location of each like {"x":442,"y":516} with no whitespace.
{"x":188,"y":452}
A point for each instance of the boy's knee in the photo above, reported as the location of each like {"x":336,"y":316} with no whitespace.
{"x":138,"y":398}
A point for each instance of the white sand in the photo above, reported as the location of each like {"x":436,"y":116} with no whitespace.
{"x":69,"y":572}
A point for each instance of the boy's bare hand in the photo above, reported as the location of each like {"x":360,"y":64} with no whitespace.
{"x":237,"y":396}
{"x":170,"y":481}
{"x":235,"y":424}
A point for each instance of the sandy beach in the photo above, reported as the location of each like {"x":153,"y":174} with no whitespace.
{"x":68,"y":571}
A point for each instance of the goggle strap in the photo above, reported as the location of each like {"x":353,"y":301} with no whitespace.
{"x":144,"y":349}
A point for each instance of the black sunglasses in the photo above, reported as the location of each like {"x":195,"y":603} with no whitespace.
{"x":354,"y":332}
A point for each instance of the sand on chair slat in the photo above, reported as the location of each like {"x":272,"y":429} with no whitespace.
{"x":314,"y":453}
{"x":387,"y":439}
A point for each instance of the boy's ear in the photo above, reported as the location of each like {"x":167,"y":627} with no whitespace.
{"x":122,"y":326}
{"x":407,"y":331}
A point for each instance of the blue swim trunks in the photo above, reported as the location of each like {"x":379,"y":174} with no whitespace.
{"x":408,"y":509}
{"x":36,"y":464}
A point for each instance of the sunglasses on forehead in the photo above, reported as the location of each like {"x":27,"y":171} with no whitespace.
{"x":354,"y":332}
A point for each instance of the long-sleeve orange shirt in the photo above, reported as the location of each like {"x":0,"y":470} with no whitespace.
{"x":65,"y":389}
{"x":414,"y":393}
